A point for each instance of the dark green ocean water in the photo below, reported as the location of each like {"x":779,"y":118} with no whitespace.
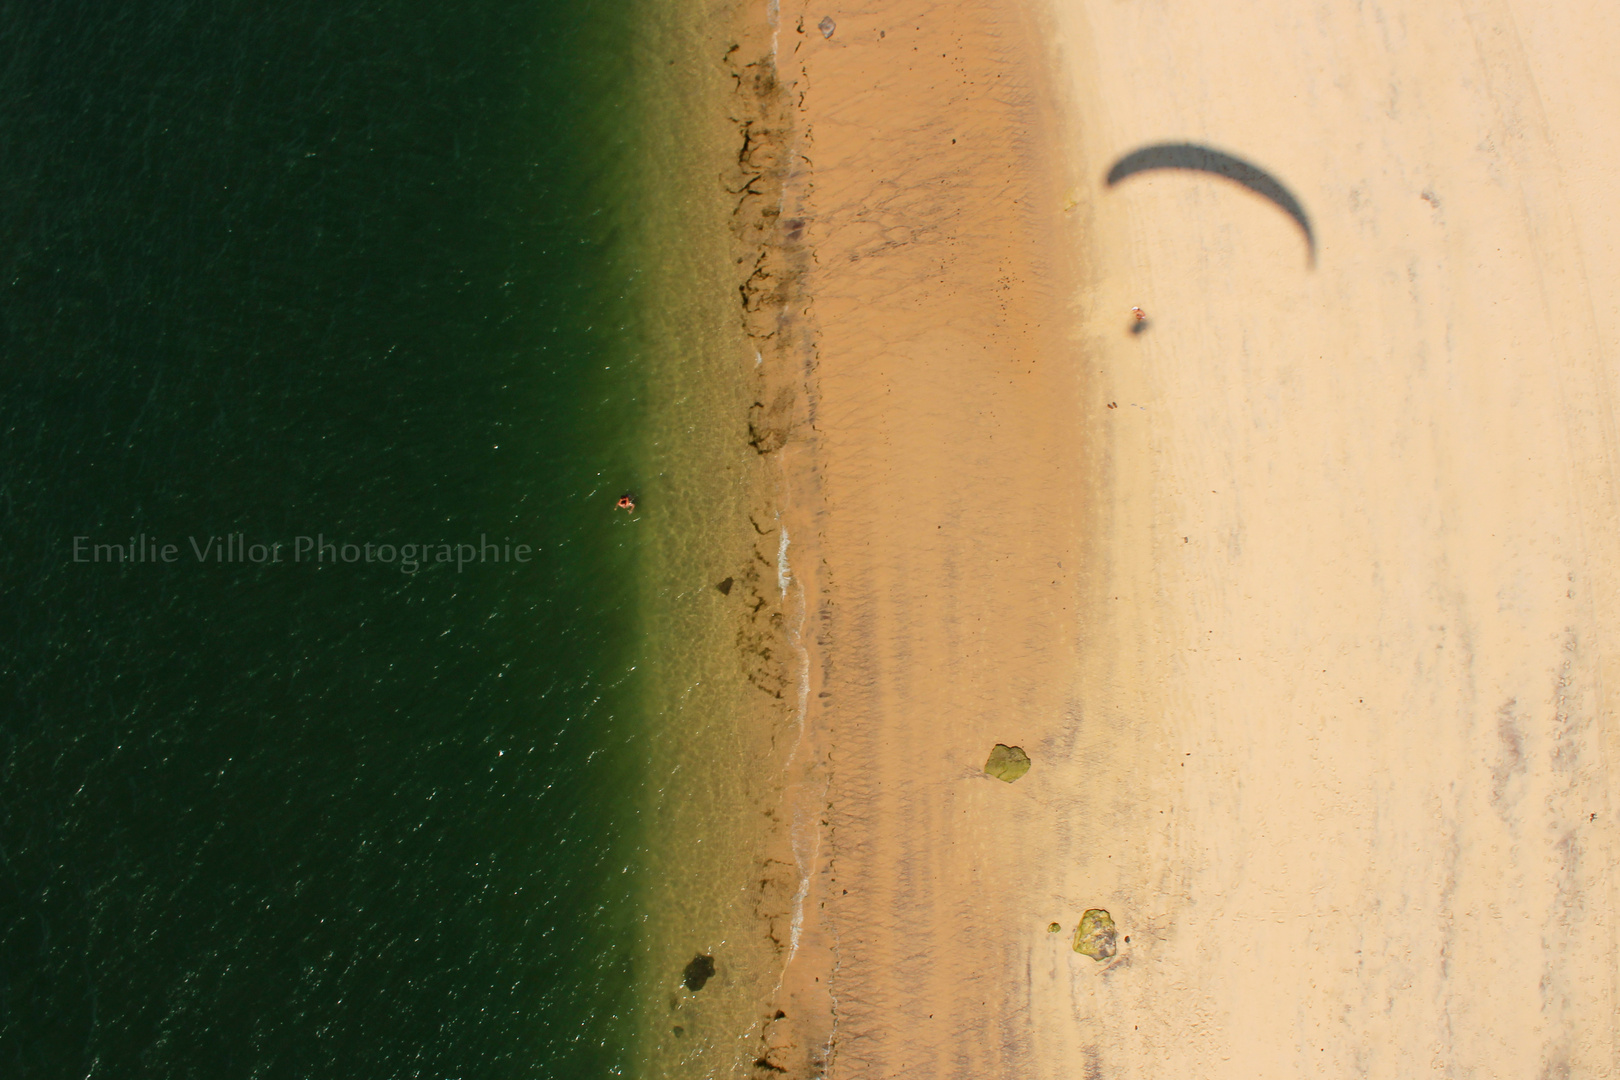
{"x":348,"y":269}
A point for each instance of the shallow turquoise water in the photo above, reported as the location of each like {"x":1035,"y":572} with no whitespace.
{"x":343,"y":269}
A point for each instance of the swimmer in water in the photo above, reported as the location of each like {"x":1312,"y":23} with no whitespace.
{"x":627,"y":503}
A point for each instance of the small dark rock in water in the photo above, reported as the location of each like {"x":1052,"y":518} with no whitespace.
{"x":698,"y":972}
{"x":725,"y":587}
{"x":1095,"y":936}
{"x":826,"y":26}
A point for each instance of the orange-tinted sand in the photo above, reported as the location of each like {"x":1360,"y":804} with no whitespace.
{"x":1302,"y":600}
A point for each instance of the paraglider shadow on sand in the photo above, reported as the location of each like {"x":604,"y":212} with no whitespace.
{"x":1195,"y":158}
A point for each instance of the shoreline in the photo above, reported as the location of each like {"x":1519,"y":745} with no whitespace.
{"x":723,"y":602}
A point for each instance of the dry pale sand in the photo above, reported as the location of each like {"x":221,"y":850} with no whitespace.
{"x":1302,"y":600}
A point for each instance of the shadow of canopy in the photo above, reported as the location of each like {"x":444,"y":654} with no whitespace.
{"x":1192,"y":157}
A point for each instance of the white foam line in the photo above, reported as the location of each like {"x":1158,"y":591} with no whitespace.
{"x":783,"y":573}
{"x":803,"y":859}
{"x":804,"y":854}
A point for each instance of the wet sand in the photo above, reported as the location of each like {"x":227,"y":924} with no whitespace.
{"x":940,"y":491}
{"x":1300,"y":595}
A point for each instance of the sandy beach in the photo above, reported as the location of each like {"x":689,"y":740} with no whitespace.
{"x":1299,"y":593}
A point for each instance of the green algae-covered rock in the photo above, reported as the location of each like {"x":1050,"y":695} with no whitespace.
{"x":1007,"y":763}
{"x":1095,"y":936}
